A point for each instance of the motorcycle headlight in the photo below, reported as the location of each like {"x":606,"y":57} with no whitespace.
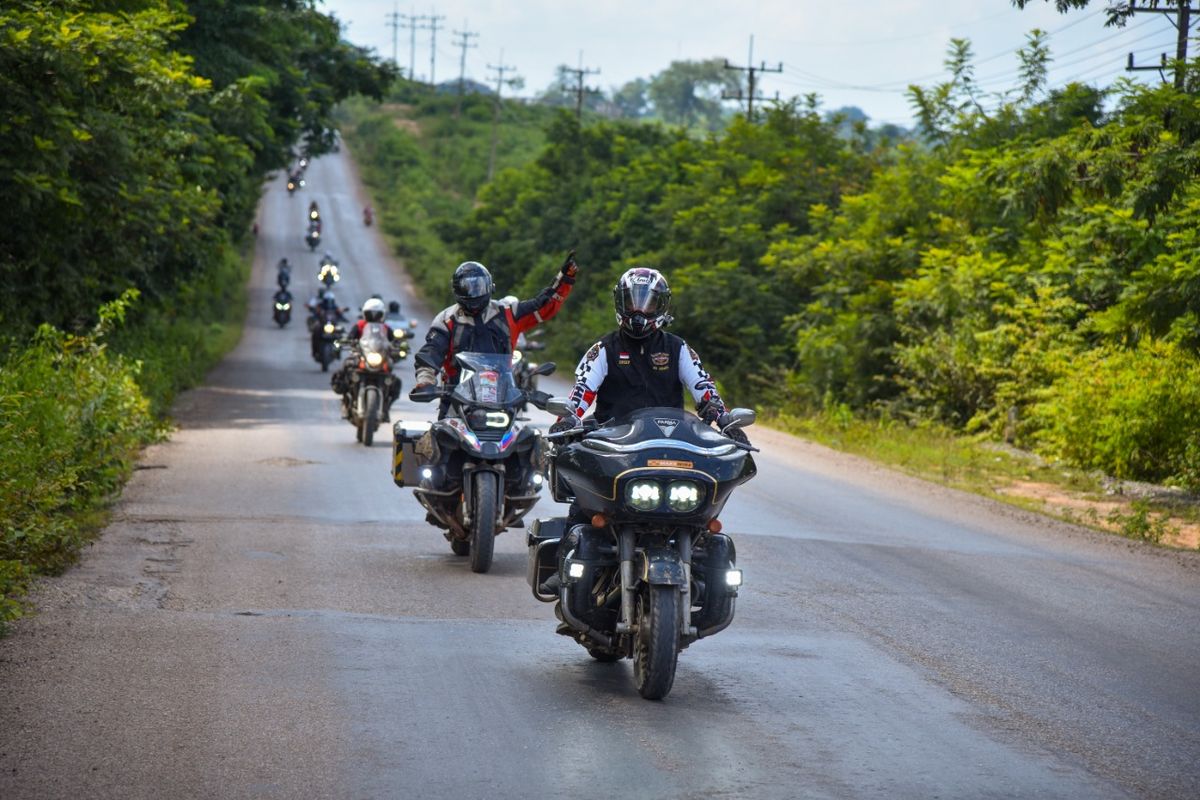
{"x":643,"y":495}
{"x":329,"y":328}
{"x":683,"y":496}
{"x":516,"y":357}
{"x":481,"y":419}
{"x":374,"y":359}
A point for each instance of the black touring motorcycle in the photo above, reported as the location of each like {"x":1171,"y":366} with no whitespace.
{"x":477,"y":471}
{"x":652,"y":573}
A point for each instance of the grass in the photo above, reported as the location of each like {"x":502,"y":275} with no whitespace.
{"x":77,"y":409}
{"x":1021,"y":479}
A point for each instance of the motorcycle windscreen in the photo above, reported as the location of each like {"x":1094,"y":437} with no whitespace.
{"x":486,"y":379}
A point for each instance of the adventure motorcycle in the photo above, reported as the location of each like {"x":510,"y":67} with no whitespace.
{"x":478,"y":468}
{"x":314,"y":213}
{"x":366,"y":382}
{"x":652,"y":573}
{"x":313,"y":237}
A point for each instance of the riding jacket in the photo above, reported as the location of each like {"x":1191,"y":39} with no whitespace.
{"x":621,"y":374}
{"x":493,"y":330}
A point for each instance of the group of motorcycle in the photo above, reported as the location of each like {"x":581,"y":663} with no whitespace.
{"x":639,"y":568}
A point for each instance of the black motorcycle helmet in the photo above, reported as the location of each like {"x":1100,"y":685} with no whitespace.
{"x":641,"y":298}
{"x":473,"y":286}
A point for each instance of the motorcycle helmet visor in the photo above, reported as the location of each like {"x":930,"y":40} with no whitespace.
{"x":644,"y":298}
{"x":473,"y":291}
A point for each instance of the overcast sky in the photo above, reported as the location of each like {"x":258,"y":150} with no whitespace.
{"x":860,"y":52}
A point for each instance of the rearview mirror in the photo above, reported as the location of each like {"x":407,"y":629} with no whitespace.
{"x":412,"y":323}
{"x":740,"y":418}
{"x":545,"y":368}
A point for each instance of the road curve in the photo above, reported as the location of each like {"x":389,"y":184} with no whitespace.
{"x":267,"y":616}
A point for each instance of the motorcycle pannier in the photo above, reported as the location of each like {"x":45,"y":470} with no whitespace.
{"x":405,"y":469}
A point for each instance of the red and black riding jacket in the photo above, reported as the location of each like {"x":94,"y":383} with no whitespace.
{"x":494,"y":330}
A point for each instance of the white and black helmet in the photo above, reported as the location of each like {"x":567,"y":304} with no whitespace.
{"x":373,"y":310}
{"x":642,"y":298}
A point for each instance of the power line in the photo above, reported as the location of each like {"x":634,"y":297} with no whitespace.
{"x":432,"y":22}
{"x":750,"y":71}
{"x":413,"y":23}
{"x":393,"y":21}
{"x":464,"y":42}
{"x":580,"y":74}
{"x":1182,"y":23}
{"x":499,"y":70}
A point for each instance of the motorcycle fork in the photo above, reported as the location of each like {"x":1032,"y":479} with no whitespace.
{"x":685,"y":555}
{"x":625,"y":555}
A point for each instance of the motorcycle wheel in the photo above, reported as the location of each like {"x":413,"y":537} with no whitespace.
{"x":460,"y":547}
{"x":326,"y":356}
{"x":371,"y":420}
{"x":483,"y":533}
{"x":656,"y":642}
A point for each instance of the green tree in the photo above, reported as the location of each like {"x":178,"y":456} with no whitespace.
{"x":689,"y":92}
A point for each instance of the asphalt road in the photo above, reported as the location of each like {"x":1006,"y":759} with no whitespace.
{"x":267,"y":616}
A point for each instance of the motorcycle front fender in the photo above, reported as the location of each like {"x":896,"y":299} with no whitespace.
{"x":660,"y":567}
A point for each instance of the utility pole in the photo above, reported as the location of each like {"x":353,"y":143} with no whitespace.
{"x":579,"y":74}
{"x":751,"y":71}
{"x":413,"y":23}
{"x":432,"y":26}
{"x":1182,"y":22}
{"x":393,"y":21}
{"x":499,"y":71}
{"x":464,"y":41}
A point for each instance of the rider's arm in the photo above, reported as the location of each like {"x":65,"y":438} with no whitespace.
{"x":432,"y":355}
{"x":704,"y":390}
{"x":531,"y":313}
{"x":591,"y":372}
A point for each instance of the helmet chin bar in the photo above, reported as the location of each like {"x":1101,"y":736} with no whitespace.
{"x":639,"y":326}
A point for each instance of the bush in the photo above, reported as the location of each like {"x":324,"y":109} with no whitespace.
{"x":73,"y":419}
{"x":1133,"y":413}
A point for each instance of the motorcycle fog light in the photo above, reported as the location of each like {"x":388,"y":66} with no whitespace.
{"x":537,"y":479}
{"x":374,"y":359}
{"x":426,"y":474}
{"x":575,"y":570}
{"x":329,"y":327}
{"x":643,"y":495}
{"x":733,"y":578}
{"x":683,"y":496}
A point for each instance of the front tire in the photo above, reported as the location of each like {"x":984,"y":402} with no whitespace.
{"x":656,"y":642}
{"x":483,"y":529}
{"x":326,"y":356}
{"x":371,"y":418}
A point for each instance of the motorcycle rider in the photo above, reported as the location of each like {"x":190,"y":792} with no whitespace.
{"x":372,"y":311}
{"x":325,"y":309}
{"x":640,"y":365}
{"x":637,"y":366}
{"x":478,"y":324}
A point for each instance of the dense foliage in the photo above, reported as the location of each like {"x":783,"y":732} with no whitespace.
{"x":1029,"y":270}
{"x":134,"y":137}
